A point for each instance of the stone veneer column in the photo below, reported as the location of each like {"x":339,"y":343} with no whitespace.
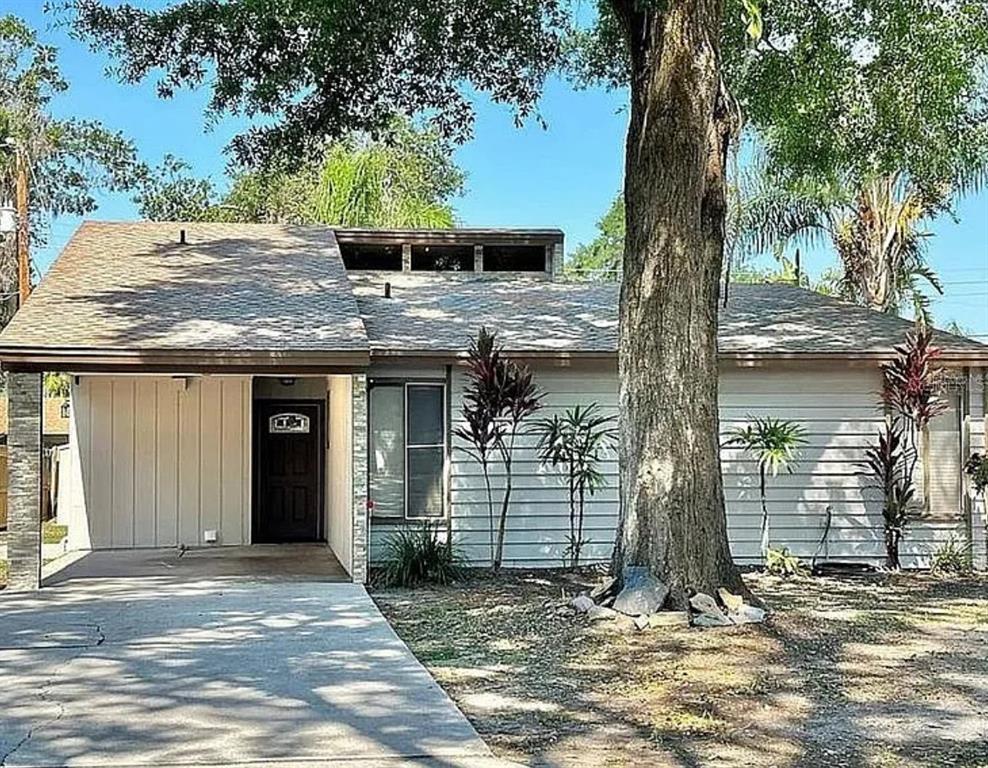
{"x":478,"y":258}
{"x":24,"y":481}
{"x":359,"y":472}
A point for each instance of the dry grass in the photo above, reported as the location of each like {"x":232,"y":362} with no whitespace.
{"x":891,"y":671}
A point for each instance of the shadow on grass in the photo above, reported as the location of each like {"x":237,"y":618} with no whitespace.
{"x":872,"y":672}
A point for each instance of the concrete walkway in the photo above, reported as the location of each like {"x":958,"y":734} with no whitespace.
{"x":231,"y":671}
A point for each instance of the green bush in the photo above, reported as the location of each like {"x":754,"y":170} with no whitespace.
{"x":781,"y":562}
{"x":952,"y":557}
{"x":419,"y":557}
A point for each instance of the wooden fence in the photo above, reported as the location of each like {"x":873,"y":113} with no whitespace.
{"x":46,"y":481}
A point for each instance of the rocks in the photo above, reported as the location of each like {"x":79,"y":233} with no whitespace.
{"x":708,"y":613}
{"x":732,"y":602}
{"x":642,"y":622}
{"x":643,"y":594}
{"x":748,"y":614}
{"x":582,"y":603}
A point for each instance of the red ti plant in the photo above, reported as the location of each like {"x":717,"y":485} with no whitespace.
{"x":912,"y":394}
{"x":499,"y":397}
{"x":886,"y":464}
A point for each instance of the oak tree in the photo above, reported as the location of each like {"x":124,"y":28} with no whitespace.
{"x":309,"y":69}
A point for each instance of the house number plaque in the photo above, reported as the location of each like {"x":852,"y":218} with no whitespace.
{"x":288,"y":423}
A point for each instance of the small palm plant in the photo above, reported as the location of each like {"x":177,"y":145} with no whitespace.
{"x":577,"y":442}
{"x":774,"y":444}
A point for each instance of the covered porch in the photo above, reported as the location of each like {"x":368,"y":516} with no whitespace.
{"x":208,"y":474}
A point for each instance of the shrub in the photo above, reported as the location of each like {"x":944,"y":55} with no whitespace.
{"x":952,"y":557}
{"x":912,"y":395}
{"x":419,"y":557}
{"x":576,"y":442}
{"x":781,"y":562}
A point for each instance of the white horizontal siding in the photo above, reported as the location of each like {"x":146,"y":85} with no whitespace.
{"x":157,"y":463}
{"x":834,"y":405}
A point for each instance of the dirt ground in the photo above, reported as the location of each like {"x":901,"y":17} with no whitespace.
{"x":879,"y":671}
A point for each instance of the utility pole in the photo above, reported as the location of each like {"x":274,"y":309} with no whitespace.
{"x":23,"y":254}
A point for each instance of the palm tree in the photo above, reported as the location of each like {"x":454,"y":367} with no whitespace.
{"x":775,"y":446}
{"x":875,"y":228}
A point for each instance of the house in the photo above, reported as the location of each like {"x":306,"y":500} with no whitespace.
{"x":237,"y":384}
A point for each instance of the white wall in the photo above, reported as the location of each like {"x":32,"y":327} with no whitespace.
{"x":339,"y":471}
{"x":835,"y":404}
{"x":156,"y":464}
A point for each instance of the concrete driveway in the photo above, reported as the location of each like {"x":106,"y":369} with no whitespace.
{"x":167,"y":671}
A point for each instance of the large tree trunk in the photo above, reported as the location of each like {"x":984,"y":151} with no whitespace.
{"x":673,"y":519}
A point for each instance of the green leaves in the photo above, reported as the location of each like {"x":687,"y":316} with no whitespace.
{"x":322,"y":68}
{"x":774,"y":443}
{"x":753,"y":19}
{"x":68,"y":160}
{"x":405,"y":179}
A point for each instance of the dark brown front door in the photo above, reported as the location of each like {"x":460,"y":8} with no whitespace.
{"x":288,"y":463}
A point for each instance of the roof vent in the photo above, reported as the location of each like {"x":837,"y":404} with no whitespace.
{"x":387,"y":290}
{"x":181,"y":236}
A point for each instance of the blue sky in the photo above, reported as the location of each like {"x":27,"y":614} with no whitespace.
{"x":564,"y":176}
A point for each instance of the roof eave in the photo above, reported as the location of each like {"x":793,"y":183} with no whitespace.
{"x":181,"y":360}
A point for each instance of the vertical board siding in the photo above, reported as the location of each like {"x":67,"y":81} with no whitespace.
{"x":122,"y":462}
{"x":160,"y":462}
{"x":339,"y":471}
{"x":189,"y":466}
{"x":166,"y":432}
{"x":836,"y":407}
{"x":145,"y":511}
{"x":211,"y":405}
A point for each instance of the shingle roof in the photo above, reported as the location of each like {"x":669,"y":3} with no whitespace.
{"x":238,"y":287}
{"x":440,"y":311}
{"x":282,"y":290}
{"x":431,"y":311}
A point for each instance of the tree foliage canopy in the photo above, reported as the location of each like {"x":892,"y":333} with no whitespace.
{"x":406,"y":179}
{"x":320,"y":68}
{"x":870,"y":117}
{"x":67,"y":160}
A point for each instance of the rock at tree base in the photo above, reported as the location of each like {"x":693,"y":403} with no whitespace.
{"x":748,"y":614}
{"x":643,"y":594}
{"x":641,"y":622}
{"x":708,"y":613}
{"x":732,"y":602}
{"x":582,"y":603}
